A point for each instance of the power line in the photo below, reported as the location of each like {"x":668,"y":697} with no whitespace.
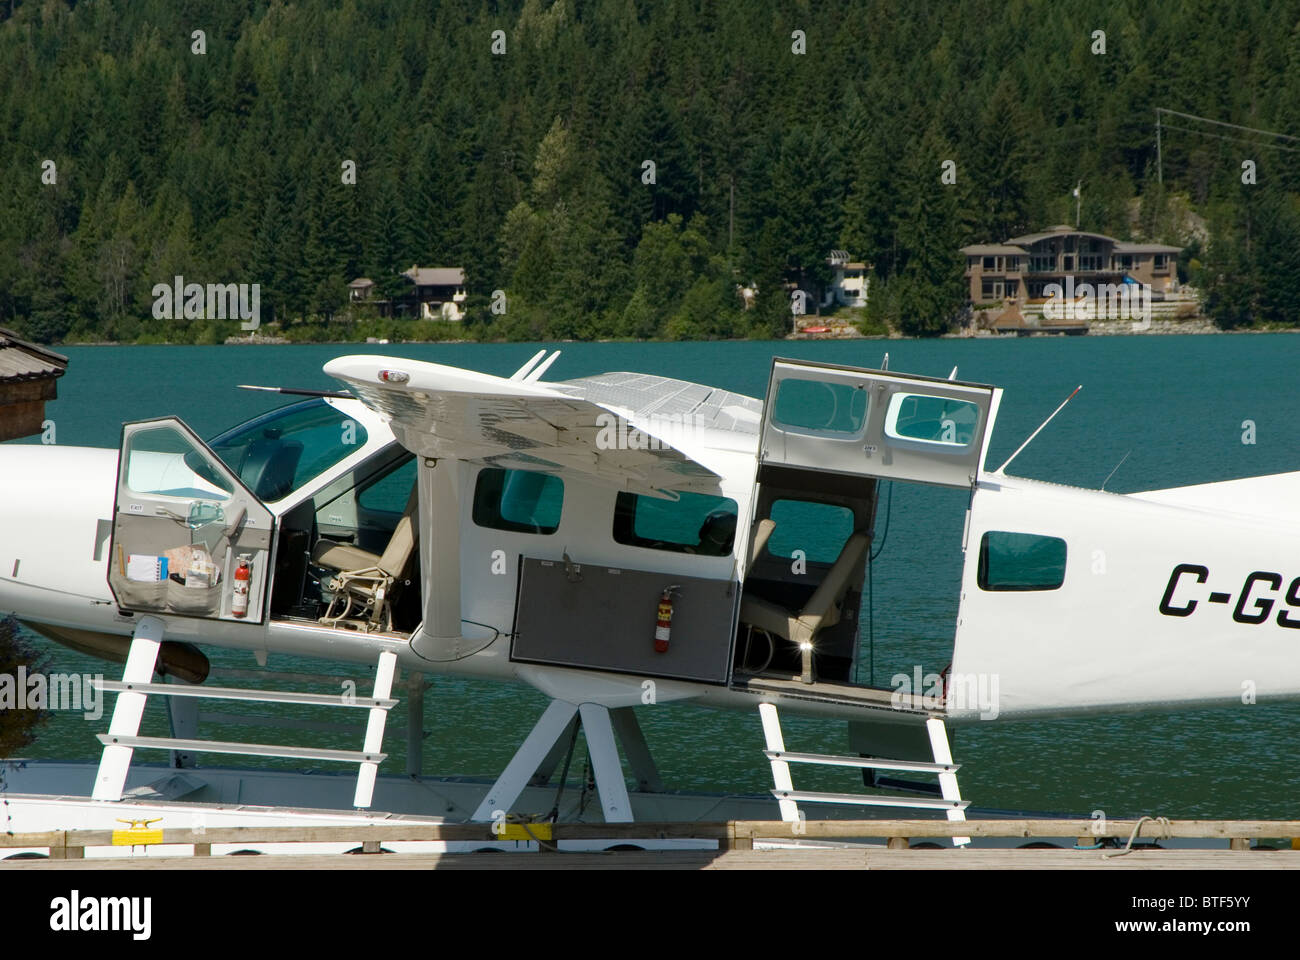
{"x":1216,"y":136}
{"x":1160,"y":125}
{"x":1220,"y":123}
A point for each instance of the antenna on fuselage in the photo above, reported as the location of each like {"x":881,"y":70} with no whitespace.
{"x":1038,"y":431}
{"x":1112,"y":473}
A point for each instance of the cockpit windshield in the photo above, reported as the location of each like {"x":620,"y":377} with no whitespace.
{"x":281,"y":451}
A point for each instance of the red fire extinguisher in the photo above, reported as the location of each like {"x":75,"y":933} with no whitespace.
{"x":239,"y":601}
{"x":664,"y":619}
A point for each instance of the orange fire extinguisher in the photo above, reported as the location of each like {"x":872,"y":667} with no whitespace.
{"x":239,"y":600}
{"x":664,"y":619}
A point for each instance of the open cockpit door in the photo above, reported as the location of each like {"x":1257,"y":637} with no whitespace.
{"x":854,"y":421}
{"x":183,"y":525}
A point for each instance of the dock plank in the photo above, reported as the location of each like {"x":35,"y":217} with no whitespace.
{"x":875,"y":859}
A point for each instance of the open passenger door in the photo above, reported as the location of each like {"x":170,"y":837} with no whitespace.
{"x":855,"y":421}
{"x":182,"y":525}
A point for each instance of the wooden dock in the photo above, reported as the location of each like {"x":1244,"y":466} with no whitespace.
{"x":844,"y":845}
{"x":874,"y":859}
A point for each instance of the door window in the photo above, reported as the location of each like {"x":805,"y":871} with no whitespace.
{"x":163,"y":461}
{"x":941,"y":421}
{"x":820,"y":406}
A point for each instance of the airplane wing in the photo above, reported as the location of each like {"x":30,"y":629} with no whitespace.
{"x":595,"y":428}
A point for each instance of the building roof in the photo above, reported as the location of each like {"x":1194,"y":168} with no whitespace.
{"x":436,"y":276}
{"x":1123,"y":247}
{"x":991,"y":249}
{"x":1020,"y":245}
{"x":360,"y":282}
{"x":1059,"y":231}
{"x":20,"y":360}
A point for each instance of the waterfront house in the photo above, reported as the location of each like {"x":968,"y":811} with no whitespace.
{"x":431,"y":293}
{"x":849,"y":281}
{"x":1021,"y":268}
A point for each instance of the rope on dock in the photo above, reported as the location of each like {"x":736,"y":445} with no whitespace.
{"x":1164,"y":834}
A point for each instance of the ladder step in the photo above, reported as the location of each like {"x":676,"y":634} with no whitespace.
{"x":250,"y":749}
{"x":878,"y":763}
{"x":929,"y":803}
{"x":240,"y":693}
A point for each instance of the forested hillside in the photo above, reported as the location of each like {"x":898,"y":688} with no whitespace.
{"x":528,"y":166}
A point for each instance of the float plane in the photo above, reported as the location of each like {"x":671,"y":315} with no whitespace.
{"x":622,"y":540}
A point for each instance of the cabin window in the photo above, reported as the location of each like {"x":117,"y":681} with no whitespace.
{"x":818,"y":529}
{"x":820,"y":406}
{"x":988,"y":263}
{"x":1021,"y":561}
{"x":281,"y":451}
{"x":519,"y":501}
{"x":939,"y":420}
{"x":694,"y":523}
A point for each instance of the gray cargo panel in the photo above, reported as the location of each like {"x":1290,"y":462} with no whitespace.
{"x":604,"y":619}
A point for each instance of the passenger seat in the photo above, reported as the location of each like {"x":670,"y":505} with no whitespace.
{"x":364,"y":580}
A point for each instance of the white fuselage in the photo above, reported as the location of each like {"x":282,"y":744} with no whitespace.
{"x":1169,"y":598}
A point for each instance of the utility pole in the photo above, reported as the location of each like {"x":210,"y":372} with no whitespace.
{"x":1160,"y":162}
{"x":731,"y":212}
{"x":1078,"y":202}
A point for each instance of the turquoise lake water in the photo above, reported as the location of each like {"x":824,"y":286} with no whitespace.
{"x":1174,"y":405}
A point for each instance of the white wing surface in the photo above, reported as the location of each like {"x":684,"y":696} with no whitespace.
{"x":621,"y":429}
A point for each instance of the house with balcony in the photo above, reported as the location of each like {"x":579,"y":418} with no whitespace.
{"x":849,"y":281}
{"x":430,"y":293}
{"x":1021,"y":268}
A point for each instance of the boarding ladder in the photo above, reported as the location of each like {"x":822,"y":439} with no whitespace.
{"x":136,"y":686}
{"x":789,"y":798}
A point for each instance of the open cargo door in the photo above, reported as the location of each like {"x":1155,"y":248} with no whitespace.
{"x":182,"y":525}
{"x":854,"y":421}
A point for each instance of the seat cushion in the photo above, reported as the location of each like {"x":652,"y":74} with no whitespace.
{"x":342,"y":556}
